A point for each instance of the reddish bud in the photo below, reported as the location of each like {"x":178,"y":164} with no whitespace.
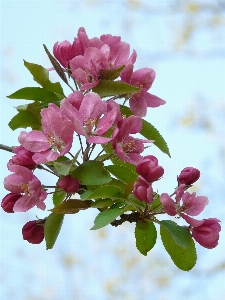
{"x":188,"y":175}
{"x":33,"y":231}
{"x":143,"y":190}
{"x":23,"y":158}
{"x":9,"y":201}
{"x":68,"y":184}
{"x":149,"y":169}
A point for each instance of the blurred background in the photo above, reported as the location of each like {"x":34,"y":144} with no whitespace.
{"x":184,"y":42}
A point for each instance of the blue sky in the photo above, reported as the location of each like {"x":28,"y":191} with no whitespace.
{"x":82,"y":262}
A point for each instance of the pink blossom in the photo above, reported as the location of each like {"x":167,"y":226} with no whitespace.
{"x":9,"y":201}
{"x":188,"y":175}
{"x":126,"y":147}
{"x":65,"y":51}
{"x":192,"y":205}
{"x":85,"y":68}
{"x":55,"y":140}
{"x":24,"y":182}
{"x":87,"y":116}
{"x":68,"y":184}
{"x":23,"y":158}
{"x":149,"y":169}
{"x":143,"y":79}
{"x":143,"y":190}
{"x":205,"y":232}
{"x":33,"y":231}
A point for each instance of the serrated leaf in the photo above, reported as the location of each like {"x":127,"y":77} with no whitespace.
{"x":149,"y":132}
{"x":122,"y":172}
{"x":106,"y":217}
{"x":106,"y":191}
{"x":52,"y":228}
{"x":34,"y":93}
{"x":58,"y":196}
{"x":146,"y":235}
{"x":91,"y":173}
{"x":184,"y":259}
{"x":24,"y":119}
{"x":107,"y":88}
{"x":41,"y":76}
{"x":110,"y":74}
{"x":71,"y":206}
{"x":63,"y":167}
{"x":179,"y":234}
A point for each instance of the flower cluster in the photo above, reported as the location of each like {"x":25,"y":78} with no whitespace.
{"x":99,"y":68}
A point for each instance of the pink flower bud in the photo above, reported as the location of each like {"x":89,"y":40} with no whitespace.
{"x":68,"y":184}
{"x":9,"y":201}
{"x":149,"y":169}
{"x":188,"y":175}
{"x":143,"y":190}
{"x":22,"y":158}
{"x":33,"y":231}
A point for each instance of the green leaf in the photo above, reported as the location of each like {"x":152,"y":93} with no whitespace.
{"x":24,"y":119}
{"x":184,"y":259}
{"x":102,"y":203}
{"x":122,"y":172}
{"x":41,"y":76}
{"x":107,"y":88}
{"x":110,"y":74}
{"x":91,"y":173}
{"x":52,"y":228}
{"x":63,"y":167}
{"x":58,"y":196}
{"x":146,"y":235}
{"x":149,"y":132}
{"x":106,"y":217}
{"x":71,"y":206}
{"x":34,"y":93}
{"x":179,"y":234}
{"x":106,"y":191}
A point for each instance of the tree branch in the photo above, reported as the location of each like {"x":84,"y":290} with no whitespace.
{"x":6,"y":148}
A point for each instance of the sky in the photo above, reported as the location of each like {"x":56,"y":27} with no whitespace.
{"x":101,"y":265}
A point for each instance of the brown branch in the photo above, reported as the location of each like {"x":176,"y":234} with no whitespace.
{"x":6,"y":148}
{"x":133,"y":217}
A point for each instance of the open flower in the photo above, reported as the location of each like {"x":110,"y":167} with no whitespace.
{"x":191,"y":204}
{"x":142,"y":79}
{"x":25,"y":183}
{"x":55,"y":140}
{"x":126,"y":147}
{"x":205,"y":232}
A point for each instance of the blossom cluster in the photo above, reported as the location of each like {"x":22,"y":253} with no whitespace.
{"x":83,"y":117}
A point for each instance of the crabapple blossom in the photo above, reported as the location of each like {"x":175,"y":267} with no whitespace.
{"x":33,"y":231}
{"x":68,"y":184}
{"x":192,"y":205}
{"x":149,"y":169}
{"x":143,"y":79}
{"x":188,"y":176}
{"x":143,"y":190}
{"x":24,"y":182}
{"x":126,"y":147}
{"x":9,"y":201}
{"x":205,"y":232}
{"x":55,"y":140}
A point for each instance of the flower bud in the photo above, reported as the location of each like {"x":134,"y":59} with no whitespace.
{"x":68,"y":184}
{"x":9,"y":201}
{"x":149,"y":169}
{"x":143,"y":190}
{"x":22,"y":158}
{"x":33,"y":231}
{"x":188,"y":176}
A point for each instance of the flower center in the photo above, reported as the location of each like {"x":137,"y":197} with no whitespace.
{"x":25,"y":189}
{"x":129,"y":146}
{"x":55,"y":142}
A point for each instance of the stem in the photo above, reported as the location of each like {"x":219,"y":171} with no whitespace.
{"x":6,"y":148}
{"x":102,"y":150}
